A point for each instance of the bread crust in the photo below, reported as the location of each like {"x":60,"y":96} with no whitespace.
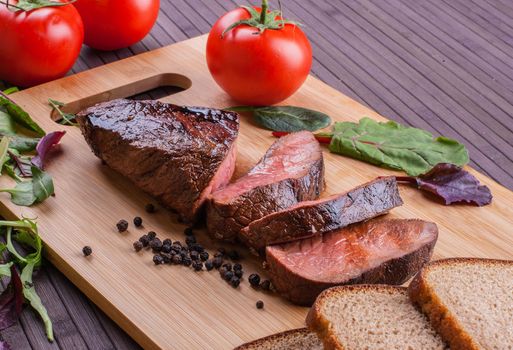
{"x":317,"y":323}
{"x":299,"y":332}
{"x":302,"y":291}
{"x":441,"y":318}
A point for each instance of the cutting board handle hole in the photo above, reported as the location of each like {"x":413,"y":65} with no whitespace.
{"x":154,"y":87}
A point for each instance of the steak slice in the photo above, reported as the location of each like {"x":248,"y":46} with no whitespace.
{"x":177,"y":154}
{"x":291,"y":171}
{"x":380,"y":251}
{"x":307,"y":219}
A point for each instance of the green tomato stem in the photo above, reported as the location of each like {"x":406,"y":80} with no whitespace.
{"x":263,"y":14}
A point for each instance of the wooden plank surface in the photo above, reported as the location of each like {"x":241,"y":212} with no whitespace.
{"x":453,"y":74}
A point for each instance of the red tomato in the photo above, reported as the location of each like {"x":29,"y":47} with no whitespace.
{"x":115,"y":24}
{"x":257,"y":69}
{"x":39,"y":45}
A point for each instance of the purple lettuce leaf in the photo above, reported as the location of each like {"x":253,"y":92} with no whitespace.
{"x":44,"y":145}
{"x":4,"y":345}
{"x":452,"y":184}
{"x":11,"y":301}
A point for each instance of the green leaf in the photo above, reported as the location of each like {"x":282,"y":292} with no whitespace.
{"x":19,"y":115}
{"x":11,"y":90}
{"x":43,"y":184}
{"x":66,"y":118}
{"x":7,"y":126}
{"x":4,"y":147}
{"x":23,"y":144}
{"x":5,"y":269}
{"x":395,"y":146}
{"x":29,"y":292}
{"x":286,"y":118}
{"x":12,"y":249}
{"x":22,"y":194}
{"x":38,"y":189}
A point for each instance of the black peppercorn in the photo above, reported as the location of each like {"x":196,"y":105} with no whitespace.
{"x":204,"y":256}
{"x":237,"y":266}
{"x":188,"y":231}
{"x":221,"y":250}
{"x":167,"y":258}
{"x":260,"y":304}
{"x":156,"y":244}
{"x":190,"y":240}
{"x":177,"y":259}
{"x":234,"y":255}
{"x":238,"y":273}
{"x":197,"y":265}
{"x":144,"y":240}
{"x":186,"y":261}
{"x":166,"y":248}
{"x":218,"y":255}
{"x":227,"y":266}
{"x":217,"y":262}
{"x":138,"y":221}
{"x":254,"y":279}
{"x":157,"y":259}
{"x":177,"y":243}
{"x":167,"y":241}
{"x":122,"y":225}
{"x":235,"y":281}
{"x":150,"y":208}
{"x":194,"y":255}
{"x":176,"y":249}
{"x":196,"y":247}
{"x":265,"y":285}
{"x":151,"y":235}
{"x":87,"y":250}
{"x":228,"y":275}
{"x":138,"y":246}
{"x":209,"y":265}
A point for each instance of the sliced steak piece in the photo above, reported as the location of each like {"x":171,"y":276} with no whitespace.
{"x":291,"y":171}
{"x":315,"y":217}
{"x":177,"y":154}
{"x":379,"y":251}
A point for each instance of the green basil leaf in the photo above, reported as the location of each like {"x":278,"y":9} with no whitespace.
{"x":19,"y":115}
{"x":286,"y":118}
{"x":395,"y":146}
{"x":29,"y":292}
{"x":22,"y":194}
{"x":43,"y":184}
{"x":7,"y":126}
{"x":23,"y":144}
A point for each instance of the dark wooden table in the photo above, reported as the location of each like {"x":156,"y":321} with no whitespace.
{"x":442,"y":65}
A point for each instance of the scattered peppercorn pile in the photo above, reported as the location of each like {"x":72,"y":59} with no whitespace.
{"x":192,"y":254}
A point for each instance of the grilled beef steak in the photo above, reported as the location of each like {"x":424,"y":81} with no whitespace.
{"x":315,"y":217}
{"x":377,"y":251}
{"x":291,"y":171}
{"x":177,"y":154}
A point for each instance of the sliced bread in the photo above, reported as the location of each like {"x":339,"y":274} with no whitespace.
{"x":297,"y":339}
{"x":370,"y":317}
{"x":469,"y":301}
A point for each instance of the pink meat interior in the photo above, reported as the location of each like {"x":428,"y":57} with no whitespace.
{"x":292,"y":156}
{"x":346,"y":253}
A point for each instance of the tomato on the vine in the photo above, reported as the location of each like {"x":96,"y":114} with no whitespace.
{"x":115,"y":24}
{"x":257,"y":57}
{"x":38,"y":43}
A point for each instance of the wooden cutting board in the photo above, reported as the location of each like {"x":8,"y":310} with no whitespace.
{"x":174,"y":307}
